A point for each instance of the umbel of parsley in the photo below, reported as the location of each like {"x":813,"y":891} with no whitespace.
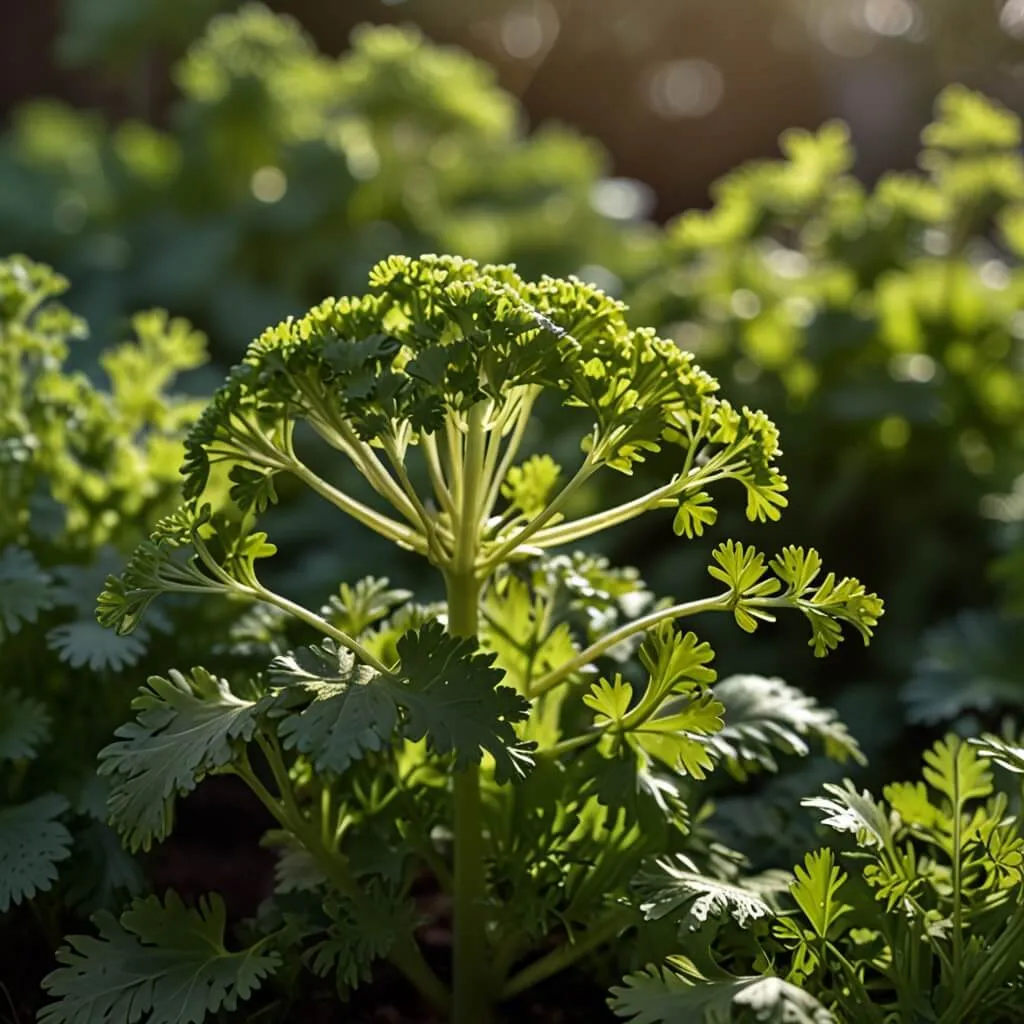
{"x":530,"y":740}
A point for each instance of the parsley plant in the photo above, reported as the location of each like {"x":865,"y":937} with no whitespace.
{"x":479,"y":740}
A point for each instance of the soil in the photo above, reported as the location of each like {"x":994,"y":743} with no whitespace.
{"x":215,"y":847}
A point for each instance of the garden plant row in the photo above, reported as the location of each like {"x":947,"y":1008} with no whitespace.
{"x":518,"y":736}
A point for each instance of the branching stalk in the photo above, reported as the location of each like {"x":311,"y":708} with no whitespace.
{"x":438,"y":544}
{"x":428,"y":442}
{"x":568,"y":953}
{"x":667,"y":496}
{"x":381,"y":524}
{"x":526,"y":403}
{"x":340,"y":435}
{"x":564,"y":533}
{"x":325,"y":627}
{"x":505,"y":548}
{"x":624,"y":632}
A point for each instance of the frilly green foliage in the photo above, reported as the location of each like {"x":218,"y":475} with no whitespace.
{"x":161,"y":959}
{"x":286,"y":173}
{"x":83,"y":467}
{"x":549,"y":716}
{"x":881,"y":328}
{"x":33,"y":840}
{"x":283,"y":175}
{"x":98,"y":458}
{"x":927,"y":924}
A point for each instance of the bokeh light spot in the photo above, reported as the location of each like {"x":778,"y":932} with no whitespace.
{"x":788,"y":263}
{"x":914,"y":367}
{"x":890,"y":17}
{"x":842,"y":31}
{"x":622,"y":198}
{"x":269,"y":184}
{"x":528,"y":31}
{"x":1011,"y":18}
{"x":745,"y":304}
{"x":685,"y":88}
{"x":994,"y":274}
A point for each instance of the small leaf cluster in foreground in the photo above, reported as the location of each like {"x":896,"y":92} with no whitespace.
{"x":921,"y":918}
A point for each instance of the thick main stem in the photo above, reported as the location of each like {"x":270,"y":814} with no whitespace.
{"x":472,"y":1000}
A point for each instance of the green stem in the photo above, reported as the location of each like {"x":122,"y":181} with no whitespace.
{"x":566,"y":955}
{"x":571,"y":744}
{"x":384,"y":525}
{"x":405,"y":954}
{"x":505,"y":548}
{"x":472,"y":1000}
{"x":609,"y":640}
{"x":522,"y":421}
{"x":455,"y":464}
{"x":339,"y":434}
{"x":470,"y":494}
{"x":1000,"y":957}
{"x":436,"y":541}
{"x":865,"y":1008}
{"x":323,"y":626}
{"x":428,"y":442}
{"x":666,"y":496}
{"x":957,"y":880}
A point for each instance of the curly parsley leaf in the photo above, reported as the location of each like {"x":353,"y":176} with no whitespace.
{"x":673,"y":733}
{"x":847,"y":810}
{"x":161,"y":961}
{"x":335,"y":710}
{"x":24,"y":726}
{"x":357,"y":938}
{"x":669,"y":996}
{"x":1009,"y":756}
{"x":358,"y":606}
{"x":816,"y":891}
{"x":83,"y":643}
{"x":162,"y":564}
{"x":32,"y":842}
{"x":694,"y":513}
{"x":742,"y":569}
{"x":443,"y":690}
{"x":953,"y":768}
{"x":828,"y":605}
{"x":454,"y":697}
{"x":765,"y":717}
{"x":671,"y":887}
{"x":186,"y":726}
{"x":530,"y":486}
{"x":25,"y":590}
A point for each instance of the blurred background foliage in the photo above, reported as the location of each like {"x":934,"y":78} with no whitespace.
{"x":860,"y":281}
